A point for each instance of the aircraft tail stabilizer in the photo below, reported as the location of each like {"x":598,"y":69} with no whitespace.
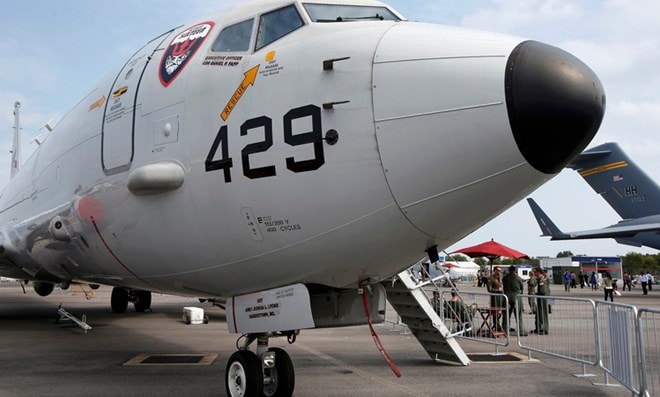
{"x":548,"y":227}
{"x":614,"y":176}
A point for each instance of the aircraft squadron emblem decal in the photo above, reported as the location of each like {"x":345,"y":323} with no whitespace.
{"x":181,"y":50}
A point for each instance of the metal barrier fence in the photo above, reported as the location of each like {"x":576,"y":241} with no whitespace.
{"x":570,"y":331}
{"x":649,"y":351}
{"x":620,"y":339}
{"x":489,"y":317}
{"x":618,"y":343}
{"x":455,"y":314}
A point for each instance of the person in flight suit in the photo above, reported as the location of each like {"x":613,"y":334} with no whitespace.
{"x":531,"y":290}
{"x":542,"y":290}
{"x":512,"y":286}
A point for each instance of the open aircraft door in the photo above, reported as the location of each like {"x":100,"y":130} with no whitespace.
{"x":119,"y":117}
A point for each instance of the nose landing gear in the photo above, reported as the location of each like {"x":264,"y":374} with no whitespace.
{"x":122,"y":296}
{"x":268,"y":372}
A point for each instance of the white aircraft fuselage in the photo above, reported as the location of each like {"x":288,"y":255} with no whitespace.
{"x":285,"y":153}
{"x":331,"y":155}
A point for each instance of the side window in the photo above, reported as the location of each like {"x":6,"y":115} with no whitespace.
{"x":234,"y":38}
{"x":277,"y":24}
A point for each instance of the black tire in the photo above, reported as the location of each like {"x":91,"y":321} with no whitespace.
{"x":119,"y":300}
{"x":94,"y":286}
{"x":243,"y":376}
{"x":143,"y":301}
{"x":283,"y":376}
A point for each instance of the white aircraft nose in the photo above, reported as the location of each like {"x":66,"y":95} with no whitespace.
{"x":475,"y":122}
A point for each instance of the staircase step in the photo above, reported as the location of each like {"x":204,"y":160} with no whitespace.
{"x":412,"y":305}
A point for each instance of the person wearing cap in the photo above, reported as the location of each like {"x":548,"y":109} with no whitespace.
{"x":541,"y":318}
{"x":512,"y":285}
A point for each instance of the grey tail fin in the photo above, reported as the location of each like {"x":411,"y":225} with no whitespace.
{"x":548,"y":227}
{"x":613,"y":175}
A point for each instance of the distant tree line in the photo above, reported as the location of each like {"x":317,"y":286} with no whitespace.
{"x":634,"y":262}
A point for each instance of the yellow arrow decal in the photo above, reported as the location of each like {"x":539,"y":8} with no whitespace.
{"x":248,"y":80}
{"x":97,"y":104}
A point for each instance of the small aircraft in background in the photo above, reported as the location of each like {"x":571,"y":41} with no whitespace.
{"x":285,"y":157}
{"x":625,"y":187}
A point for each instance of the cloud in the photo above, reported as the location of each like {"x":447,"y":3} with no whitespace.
{"x":635,"y":126}
{"x":540,"y":17}
{"x":619,"y":40}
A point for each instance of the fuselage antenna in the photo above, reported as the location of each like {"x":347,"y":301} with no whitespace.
{"x":16,"y":145}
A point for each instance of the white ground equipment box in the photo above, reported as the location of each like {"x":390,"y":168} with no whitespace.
{"x":194,"y":315}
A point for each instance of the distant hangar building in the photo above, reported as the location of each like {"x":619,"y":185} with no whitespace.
{"x":585,"y":264}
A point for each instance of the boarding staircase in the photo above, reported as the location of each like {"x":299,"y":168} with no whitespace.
{"x":408,"y":297}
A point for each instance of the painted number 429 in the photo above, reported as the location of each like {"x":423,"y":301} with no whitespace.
{"x":265,"y":124}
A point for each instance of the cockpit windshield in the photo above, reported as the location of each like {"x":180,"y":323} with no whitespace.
{"x":277,"y":24}
{"x":348,"y":13}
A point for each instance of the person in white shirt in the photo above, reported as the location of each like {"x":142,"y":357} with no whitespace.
{"x":643,"y":279}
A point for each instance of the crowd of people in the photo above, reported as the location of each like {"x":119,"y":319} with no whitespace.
{"x":537,"y":288}
{"x":512,"y":285}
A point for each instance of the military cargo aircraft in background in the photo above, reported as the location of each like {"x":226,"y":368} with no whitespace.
{"x":625,"y":187}
{"x":286,"y":154}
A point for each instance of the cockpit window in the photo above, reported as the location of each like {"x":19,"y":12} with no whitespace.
{"x":234,"y":38}
{"x":346,"y":13}
{"x":277,"y":24}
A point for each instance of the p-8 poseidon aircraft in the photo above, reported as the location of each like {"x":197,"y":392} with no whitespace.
{"x":287,"y":155}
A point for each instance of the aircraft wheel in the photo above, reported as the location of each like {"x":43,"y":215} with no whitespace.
{"x":283,"y":376}
{"x":243,"y":377}
{"x":119,"y":300}
{"x":143,"y":301}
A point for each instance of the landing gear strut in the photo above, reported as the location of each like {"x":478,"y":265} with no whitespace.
{"x":268,"y":372}
{"x":121,"y":296}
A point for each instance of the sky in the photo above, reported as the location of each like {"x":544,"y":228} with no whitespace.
{"x":54,"y":52}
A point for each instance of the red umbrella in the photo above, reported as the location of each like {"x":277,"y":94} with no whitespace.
{"x":491,"y":250}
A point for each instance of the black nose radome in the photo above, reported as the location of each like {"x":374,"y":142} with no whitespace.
{"x":555,"y":103}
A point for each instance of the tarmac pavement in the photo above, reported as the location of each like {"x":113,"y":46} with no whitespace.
{"x":41,"y":358}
